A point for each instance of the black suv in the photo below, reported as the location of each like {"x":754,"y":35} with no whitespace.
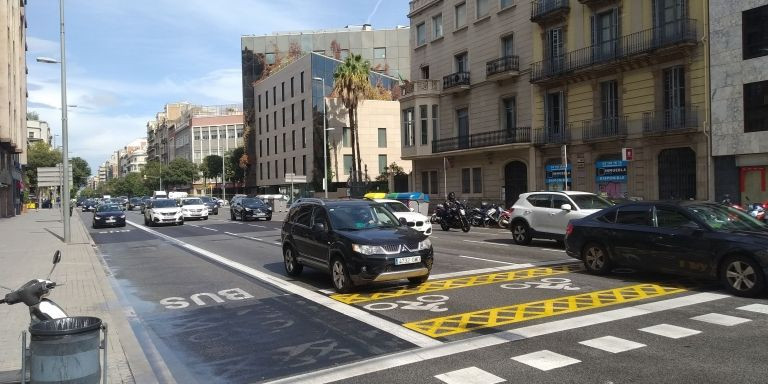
{"x":357,"y":241}
{"x":246,"y":208}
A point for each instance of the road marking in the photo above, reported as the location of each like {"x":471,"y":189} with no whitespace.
{"x":757,"y":308}
{"x":716,"y":318}
{"x":545,"y":360}
{"x":210,"y":229}
{"x":461,"y":282}
{"x":552,"y":250}
{"x":499,"y":269}
{"x":382,"y":363}
{"x":471,"y":375}
{"x":671,"y":331}
{"x":612,"y":344}
{"x":480,"y":258}
{"x":352,"y":312}
{"x":494,"y":317}
{"x":487,"y":243}
{"x":256,"y":225}
{"x":251,"y":238}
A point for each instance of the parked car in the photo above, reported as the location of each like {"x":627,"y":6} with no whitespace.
{"x":212,"y":204}
{"x":687,"y":237}
{"x":193,"y":208}
{"x":144,"y":201}
{"x":356,"y":241}
{"x":134,"y":202}
{"x":162,"y":211}
{"x":412,"y":219}
{"x":546,"y":214}
{"x":108,"y":215}
{"x":246,"y":208}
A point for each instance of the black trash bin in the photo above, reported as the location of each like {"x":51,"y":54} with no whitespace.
{"x":65,"y":350}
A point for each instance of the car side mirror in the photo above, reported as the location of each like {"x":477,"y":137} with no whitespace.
{"x":403,"y":221}
{"x":566,"y":207}
{"x":318,"y":227}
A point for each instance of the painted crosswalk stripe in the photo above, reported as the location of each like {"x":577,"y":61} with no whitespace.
{"x":671,"y":331}
{"x":757,"y":308}
{"x":545,"y":360}
{"x":612,"y":344}
{"x":471,"y":375}
{"x":716,"y":318}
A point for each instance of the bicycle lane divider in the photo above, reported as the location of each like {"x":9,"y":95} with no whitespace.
{"x":391,"y":328}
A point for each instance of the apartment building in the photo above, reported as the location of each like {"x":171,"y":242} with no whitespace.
{"x":288,"y":132}
{"x":466,"y":113}
{"x":386,"y":49}
{"x":611,"y":75}
{"x":739,"y":91}
{"x":161,"y":133}
{"x":201,"y":131}
{"x":132,"y":157}
{"x":13,"y":105}
{"x":39,"y":131}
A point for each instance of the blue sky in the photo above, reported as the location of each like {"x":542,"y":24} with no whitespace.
{"x":127,"y":59}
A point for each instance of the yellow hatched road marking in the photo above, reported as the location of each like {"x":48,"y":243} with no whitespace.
{"x":488,"y":318}
{"x":460,"y":282}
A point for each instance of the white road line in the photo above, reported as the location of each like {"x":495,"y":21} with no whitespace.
{"x":716,"y":318}
{"x":374,"y":321}
{"x":495,"y":261}
{"x":326,"y":291}
{"x":552,"y":250}
{"x":757,"y":308}
{"x":499,"y":269}
{"x":486,"y":243}
{"x":671,"y":331}
{"x":250,"y":238}
{"x":612,"y":344}
{"x":471,"y":375}
{"x":210,"y":229}
{"x":378,"y":364}
{"x":256,"y":225}
{"x":545,"y":360}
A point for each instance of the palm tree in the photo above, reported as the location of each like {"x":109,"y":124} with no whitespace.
{"x":351,"y":84}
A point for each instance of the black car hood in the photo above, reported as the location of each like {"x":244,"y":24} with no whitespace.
{"x":382,"y":236}
{"x":255,"y":206}
{"x":109,"y":213}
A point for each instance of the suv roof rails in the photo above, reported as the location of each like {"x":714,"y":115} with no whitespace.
{"x":310,"y":200}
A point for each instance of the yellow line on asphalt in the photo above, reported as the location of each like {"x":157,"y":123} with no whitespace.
{"x":459,"y":282}
{"x":494,"y":317}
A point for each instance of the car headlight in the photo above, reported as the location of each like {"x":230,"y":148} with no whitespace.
{"x":367,"y":249}
{"x":426,"y":244}
{"x":122,"y":216}
{"x":247,"y":209}
{"x":97,"y":218}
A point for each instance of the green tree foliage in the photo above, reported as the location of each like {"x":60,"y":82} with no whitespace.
{"x":211,"y":166}
{"x":40,"y":155}
{"x":235,"y":172}
{"x":33,"y":116}
{"x":351,"y":83}
{"x":88,"y":193}
{"x":80,"y":171}
{"x":179,"y":172}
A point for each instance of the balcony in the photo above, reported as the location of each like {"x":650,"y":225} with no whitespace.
{"x":675,"y":120}
{"x":420,"y":88}
{"x":602,"y":129}
{"x":597,"y":3}
{"x":552,"y":136}
{"x":502,"y":68}
{"x":546,"y":11}
{"x":456,"y":82}
{"x":656,"y":42}
{"x":480,"y":140}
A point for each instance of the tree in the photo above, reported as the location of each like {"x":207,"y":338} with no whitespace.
{"x":351,"y":84}
{"x":238,"y":172}
{"x":33,"y":116}
{"x":179,"y":172}
{"x":211,"y":166}
{"x":80,"y":171}
{"x":39,"y":154}
{"x":151,"y":175}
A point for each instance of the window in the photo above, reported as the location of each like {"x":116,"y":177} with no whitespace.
{"x":462,"y":121}
{"x":269,"y":170}
{"x":435,"y":122}
{"x":261,"y":152}
{"x":554,"y":49}
{"x":461,"y":62}
{"x":293,"y":140}
{"x":554,"y":119}
{"x":267,"y":122}
{"x":293,"y":113}
{"x":347,"y":164}
{"x":285,"y":166}
{"x":460,"y":12}
{"x":425,"y":182}
{"x":294,"y":165}
{"x":303,"y":137}
{"x":292,"y":86}
{"x":302,"y":108}
{"x":409,"y":136}
{"x":259,"y":103}
{"x":266,"y":99}
{"x":304,"y":215}
{"x":540,"y":201}
{"x":756,"y":106}
{"x":506,"y":3}
{"x":510,"y":118}
{"x":261,"y":171}
{"x":437,"y":26}
{"x":477,"y":180}
{"x":425,"y":72}
{"x":421,"y":34}
{"x":283,"y":142}
{"x":670,"y":218}
{"x":283,"y":117}
{"x":483,"y":8}
{"x":380,"y":53}
{"x":382,"y":137}
{"x":301,"y":84}
{"x":275,"y":148}
{"x":605,"y":32}
{"x":609,"y":101}
{"x":269,"y":58}
{"x":277,"y":172}
{"x":423,"y":110}
{"x":259,"y":128}
{"x":674,"y":97}
{"x":274,"y":95}
{"x":343,"y":54}
{"x":32,"y":136}
{"x":558,"y":201}
{"x":755,"y":32}
{"x":507,"y":46}
{"x":282,"y":91}
{"x":267,"y":146}
{"x":346,"y":137}
{"x":429,"y":182}
{"x":304,"y":164}
{"x":274,"y":119}
{"x":634,"y":215}
{"x":382,"y":164}
{"x":466,"y":175}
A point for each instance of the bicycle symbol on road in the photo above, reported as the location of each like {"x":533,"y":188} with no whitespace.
{"x":548,"y":283}
{"x":430,"y":303}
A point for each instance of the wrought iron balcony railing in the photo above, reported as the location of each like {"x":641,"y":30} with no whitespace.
{"x":671,"y":120}
{"x":502,"y":64}
{"x":614,"y":127}
{"x":552,"y":135}
{"x":420,"y":87}
{"x":485,"y":139}
{"x":542,"y":9}
{"x":455,"y":80}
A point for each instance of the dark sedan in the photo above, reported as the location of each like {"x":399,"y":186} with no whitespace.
{"x":687,"y":237}
{"x":89,"y":205}
{"x":250,"y":208}
{"x":213,"y":205}
{"x":108,"y":215}
{"x":134,"y":202}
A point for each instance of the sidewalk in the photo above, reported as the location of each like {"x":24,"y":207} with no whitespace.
{"x":27,"y":244}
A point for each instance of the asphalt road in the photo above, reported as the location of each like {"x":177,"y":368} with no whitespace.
{"x":214,"y":305}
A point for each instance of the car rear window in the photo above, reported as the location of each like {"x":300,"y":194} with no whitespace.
{"x":590,"y":201}
{"x":634,"y":215}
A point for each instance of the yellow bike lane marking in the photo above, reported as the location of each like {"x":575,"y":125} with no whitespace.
{"x":495,"y":317}
{"x":461,"y":282}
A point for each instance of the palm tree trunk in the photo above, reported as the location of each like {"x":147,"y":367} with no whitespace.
{"x":353,"y":171}
{"x":357,"y":148}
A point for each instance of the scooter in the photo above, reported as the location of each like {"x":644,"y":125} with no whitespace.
{"x":757,"y":211}
{"x":505,"y":218}
{"x":34,"y":294}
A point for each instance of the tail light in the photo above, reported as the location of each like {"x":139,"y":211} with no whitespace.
{"x":569,"y":229}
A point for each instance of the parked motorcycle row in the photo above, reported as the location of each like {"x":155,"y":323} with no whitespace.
{"x":756,"y":210}
{"x":460,"y":216}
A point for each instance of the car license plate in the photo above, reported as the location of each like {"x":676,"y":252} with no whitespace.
{"x":407,"y":260}
{"x":110,"y":220}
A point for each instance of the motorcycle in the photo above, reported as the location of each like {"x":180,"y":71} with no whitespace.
{"x":452,"y":216}
{"x":505,"y":218}
{"x":33,"y":294}
{"x":757,"y":211}
{"x":485,"y":215}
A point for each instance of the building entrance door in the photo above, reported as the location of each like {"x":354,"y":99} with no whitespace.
{"x":677,"y":174}
{"x":515,"y":181}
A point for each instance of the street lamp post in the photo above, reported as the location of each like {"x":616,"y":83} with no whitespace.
{"x":325,"y":139}
{"x":64,"y":131}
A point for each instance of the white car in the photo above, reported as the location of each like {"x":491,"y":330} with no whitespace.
{"x":162,"y":211}
{"x":414,"y":220}
{"x":193,"y":208}
{"x":546,"y":214}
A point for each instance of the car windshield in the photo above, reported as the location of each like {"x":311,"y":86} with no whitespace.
{"x":108,"y":208}
{"x":724,"y":219}
{"x":396,"y":206}
{"x":191,"y":202}
{"x":355,"y":217}
{"x":251,"y":201}
{"x":163,"y":204}
{"x":206,"y":199}
{"x":590,"y":201}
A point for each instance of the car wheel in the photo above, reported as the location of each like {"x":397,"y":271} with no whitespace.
{"x":742,"y":276}
{"x":521,"y":233}
{"x":444,"y":226}
{"x":464,"y":225}
{"x":418,"y":280}
{"x":340,"y":276}
{"x":232,"y":215}
{"x":94,"y":226}
{"x":292,"y":266}
{"x":596,"y":259}
{"x":205,"y":218}
{"x":269,"y":218}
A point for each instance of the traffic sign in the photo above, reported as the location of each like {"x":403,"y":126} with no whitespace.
{"x":294,"y":178}
{"x":51,"y":176}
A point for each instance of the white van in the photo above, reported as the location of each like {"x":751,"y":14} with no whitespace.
{"x":159,"y":195}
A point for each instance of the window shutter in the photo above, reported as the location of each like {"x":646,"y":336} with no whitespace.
{"x":593,"y":35}
{"x":616,"y":30}
{"x":561,"y":129}
{"x":547,"y":111}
